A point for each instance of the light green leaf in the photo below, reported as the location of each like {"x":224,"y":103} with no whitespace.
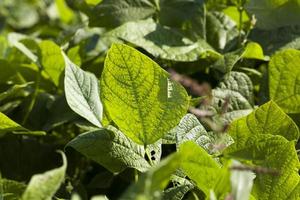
{"x":284,"y":80}
{"x":139,"y":95}
{"x":65,"y":13}
{"x":82,"y":93}
{"x":199,"y":166}
{"x":93,"y":2}
{"x":111,"y":149}
{"x":164,"y":42}
{"x":272,"y":14}
{"x":254,"y":51}
{"x":8,"y":125}
{"x":267,"y":119}
{"x":52,"y":60}
{"x":10,"y":189}
{"x":44,"y":186}
{"x":150,"y":185}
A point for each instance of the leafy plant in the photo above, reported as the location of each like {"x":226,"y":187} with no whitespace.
{"x":149,"y":99}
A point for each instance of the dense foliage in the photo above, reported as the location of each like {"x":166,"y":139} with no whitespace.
{"x":149,"y":99}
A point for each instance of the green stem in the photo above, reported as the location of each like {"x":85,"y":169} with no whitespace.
{"x":33,"y":99}
{"x":136,"y":175}
{"x":240,"y":9}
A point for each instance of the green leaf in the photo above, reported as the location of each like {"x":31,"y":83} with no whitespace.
{"x":267,"y":119}
{"x":6,"y":125}
{"x":284,"y":80}
{"x":65,"y":13}
{"x":93,"y":2}
{"x":188,"y":14}
{"x":44,"y":186}
{"x":275,"y":153}
{"x":10,"y":189}
{"x":111,"y":149}
{"x":114,"y":13}
{"x":272,"y":14}
{"x":82,"y":93}
{"x":52,"y":60}
{"x":139,"y":95}
{"x":177,"y":192}
{"x":151,"y":184}
{"x":221,"y":31}
{"x":237,"y":89}
{"x":263,"y":138}
{"x":277,"y":39}
{"x":199,"y":166}
{"x":164,"y":42}
{"x":254,"y":51}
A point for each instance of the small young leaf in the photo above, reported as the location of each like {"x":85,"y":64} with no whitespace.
{"x":82,"y":93}
{"x":139,"y":96}
{"x":52,"y":60}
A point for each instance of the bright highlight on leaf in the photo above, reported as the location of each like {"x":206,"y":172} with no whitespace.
{"x":139,"y":95}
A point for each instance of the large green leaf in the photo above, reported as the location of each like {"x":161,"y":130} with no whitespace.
{"x":164,"y":42}
{"x":284,"y":80}
{"x":82,"y":93}
{"x":139,"y":95}
{"x":267,"y":119}
{"x":52,"y":60}
{"x":44,"y":186}
{"x":263,"y":138}
{"x":272,"y":14}
{"x":112,"y":149}
{"x":275,"y":153}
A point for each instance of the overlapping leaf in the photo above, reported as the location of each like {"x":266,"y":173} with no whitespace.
{"x":284,"y":80}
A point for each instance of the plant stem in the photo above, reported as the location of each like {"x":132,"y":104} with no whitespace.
{"x":34,"y":95}
{"x":136,"y":175}
{"x":240,"y":9}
